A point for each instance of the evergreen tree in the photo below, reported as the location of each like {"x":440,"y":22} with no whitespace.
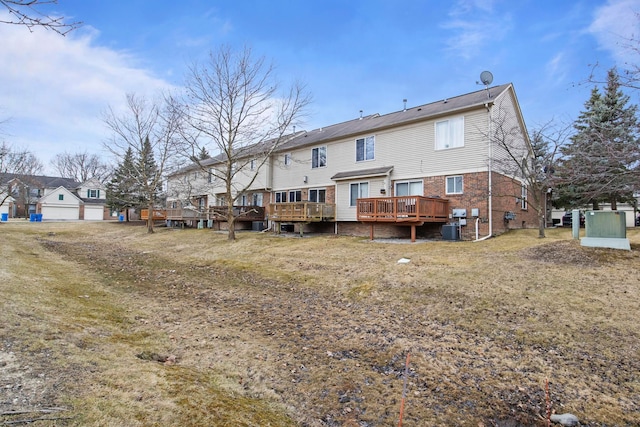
{"x":122,"y":192}
{"x":203,"y":154}
{"x":600,"y":163}
{"x":147,"y":171}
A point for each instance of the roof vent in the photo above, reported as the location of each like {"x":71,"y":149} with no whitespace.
{"x":360,"y":115}
{"x":405,"y":104}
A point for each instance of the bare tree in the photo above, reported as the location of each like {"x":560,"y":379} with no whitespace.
{"x":150,"y":131}
{"x":529,"y":159}
{"x":235,"y":109}
{"x":81,"y":166}
{"x":16,"y":163}
{"x":29,"y":14}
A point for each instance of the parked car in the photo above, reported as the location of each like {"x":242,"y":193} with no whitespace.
{"x":567,"y":219}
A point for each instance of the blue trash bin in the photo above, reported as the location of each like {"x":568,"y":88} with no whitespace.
{"x":5,"y":217}
{"x":121,"y":218}
{"x":32,"y":217}
{"x":39,"y":217}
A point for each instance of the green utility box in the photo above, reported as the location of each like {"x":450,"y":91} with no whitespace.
{"x":611,"y":224}
{"x":605,"y":229}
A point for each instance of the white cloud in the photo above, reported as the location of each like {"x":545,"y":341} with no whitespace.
{"x":555,"y":69}
{"x":614,"y":25}
{"x":475,"y":25}
{"x":54,"y":89}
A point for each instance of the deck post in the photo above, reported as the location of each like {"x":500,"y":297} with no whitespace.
{"x":371,"y":231}
{"x":413,"y":232}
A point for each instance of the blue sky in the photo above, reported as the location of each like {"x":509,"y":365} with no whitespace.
{"x":353,"y":55}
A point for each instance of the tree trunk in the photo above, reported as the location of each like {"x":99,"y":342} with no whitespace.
{"x":231,"y":222}
{"x":150,"y":218}
{"x":541,"y":224}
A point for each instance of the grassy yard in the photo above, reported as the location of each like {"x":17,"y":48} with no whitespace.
{"x":110,"y":326}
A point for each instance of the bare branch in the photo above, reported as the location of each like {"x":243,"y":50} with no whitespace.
{"x":26,"y":12}
{"x":234,"y":105}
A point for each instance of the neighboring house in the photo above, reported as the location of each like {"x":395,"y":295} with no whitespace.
{"x":59,"y":204}
{"x":6,"y":203}
{"x":56,"y":198}
{"x":28,"y":189}
{"x":94,"y":197}
{"x":405,"y":173}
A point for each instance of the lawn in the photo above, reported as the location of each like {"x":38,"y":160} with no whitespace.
{"x":104,"y":325}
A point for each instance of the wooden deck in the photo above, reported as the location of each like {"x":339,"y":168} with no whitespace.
{"x":302,"y":212}
{"x":216,"y":213}
{"x":404,"y":210}
{"x":158,"y":214}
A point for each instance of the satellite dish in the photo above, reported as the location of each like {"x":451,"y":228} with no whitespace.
{"x":486,"y":78}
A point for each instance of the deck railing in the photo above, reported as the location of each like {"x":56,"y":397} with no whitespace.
{"x":158,"y":214}
{"x":218,"y":213}
{"x":403,"y":209}
{"x":242,"y":213}
{"x":302,"y":212}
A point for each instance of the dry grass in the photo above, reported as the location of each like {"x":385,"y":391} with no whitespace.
{"x":278,"y":331}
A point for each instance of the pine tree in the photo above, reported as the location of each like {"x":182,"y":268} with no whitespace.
{"x":203,"y":154}
{"x":599,"y":165}
{"x":122,"y":191}
{"x":149,"y":180}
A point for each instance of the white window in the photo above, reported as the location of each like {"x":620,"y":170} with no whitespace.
{"x":317,"y":195}
{"x":211,"y":176}
{"x":523,"y":197}
{"x":281,"y":197}
{"x":365,"y":149}
{"x":287,"y":159}
{"x":93,"y":194}
{"x":409,"y":188}
{"x":450,"y":133}
{"x":252,"y":165}
{"x":454,"y":184}
{"x":295,"y":196}
{"x":257,"y":199}
{"x":358,"y":190}
{"x":319,"y":157}
{"x":201,"y":202}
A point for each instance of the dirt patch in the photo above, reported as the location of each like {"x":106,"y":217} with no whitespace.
{"x":334,"y":355}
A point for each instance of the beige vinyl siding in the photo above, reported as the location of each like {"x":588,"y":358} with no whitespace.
{"x":344,"y":212}
{"x":505,"y":122}
{"x":196,"y":182}
{"x":409,"y":149}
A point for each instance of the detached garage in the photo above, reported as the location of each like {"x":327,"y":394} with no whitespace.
{"x":60,"y":204}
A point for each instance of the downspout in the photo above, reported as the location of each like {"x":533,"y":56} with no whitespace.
{"x":335,"y":203}
{"x":490,"y":182}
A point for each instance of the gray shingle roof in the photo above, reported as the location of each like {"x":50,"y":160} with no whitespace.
{"x":41,"y":181}
{"x":375,"y":122}
{"x":363,"y":173}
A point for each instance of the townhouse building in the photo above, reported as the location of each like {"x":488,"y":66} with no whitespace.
{"x":430,"y":170}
